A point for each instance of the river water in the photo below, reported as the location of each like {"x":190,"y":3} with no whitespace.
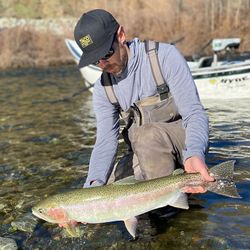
{"x":45,"y":145}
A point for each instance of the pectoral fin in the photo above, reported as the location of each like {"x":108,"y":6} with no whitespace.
{"x":71,"y":229}
{"x":131,"y":225}
{"x":180,"y":202}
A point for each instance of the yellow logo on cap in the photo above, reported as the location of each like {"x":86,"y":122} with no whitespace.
{"x":212,"y":81}
{"x":86,"y":41}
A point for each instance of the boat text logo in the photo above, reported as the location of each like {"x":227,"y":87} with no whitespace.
{"x":86,"y":41}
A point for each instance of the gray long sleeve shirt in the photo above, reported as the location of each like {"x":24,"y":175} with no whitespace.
{"x":134,"y":84}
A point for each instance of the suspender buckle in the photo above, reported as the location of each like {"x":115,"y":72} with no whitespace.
{"x":163,"y":90}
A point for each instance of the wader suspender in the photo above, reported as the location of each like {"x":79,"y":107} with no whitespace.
{"x":106,"y":82}
{"x":151,"y":48}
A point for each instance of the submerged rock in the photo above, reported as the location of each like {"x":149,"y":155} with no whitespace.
{"x":79,"y":157}
{"x":25,"y":223}
{"x":214,"y":243}
{"x":4,"y":144}
{"x":7,"y":244}
{"x":2,"y":206}
{"x":43,"y":139}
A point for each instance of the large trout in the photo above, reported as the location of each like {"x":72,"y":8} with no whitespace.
{"x":124,"y":200}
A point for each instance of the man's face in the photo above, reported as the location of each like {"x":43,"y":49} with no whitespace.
{"x":115,"y":64}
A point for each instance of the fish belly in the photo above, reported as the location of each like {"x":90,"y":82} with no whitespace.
{"x":122,"y":208}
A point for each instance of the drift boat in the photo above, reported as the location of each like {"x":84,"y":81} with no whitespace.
{"x":223,"y":75}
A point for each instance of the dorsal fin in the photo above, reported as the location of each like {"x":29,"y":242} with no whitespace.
{"x":178,"y":171}
{"x":127,"y":180}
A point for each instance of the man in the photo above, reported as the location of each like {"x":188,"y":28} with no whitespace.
{"x":159,"y":145}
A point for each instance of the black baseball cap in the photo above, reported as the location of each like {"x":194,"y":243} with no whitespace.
{"x":94,"y":34}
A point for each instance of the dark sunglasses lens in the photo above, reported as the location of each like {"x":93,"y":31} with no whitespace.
{"x":106,"y":57}
{"x":110,"y":53}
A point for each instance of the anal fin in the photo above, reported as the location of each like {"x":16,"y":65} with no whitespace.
{"x":180,"y":202}
{"x":131,"y":225}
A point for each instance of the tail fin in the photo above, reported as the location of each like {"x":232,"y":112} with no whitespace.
{"x":224,"y":184}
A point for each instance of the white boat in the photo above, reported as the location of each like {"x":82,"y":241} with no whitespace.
{"x":216,"y":77}
{"x":89,"y":73}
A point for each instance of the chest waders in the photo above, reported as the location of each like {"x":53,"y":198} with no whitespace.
{"x":146,"y":122}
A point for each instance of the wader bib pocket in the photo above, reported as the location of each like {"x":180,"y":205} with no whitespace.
{"x":152,"y":109}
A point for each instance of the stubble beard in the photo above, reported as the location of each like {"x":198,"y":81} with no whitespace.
{"x":118,"y":68}
{"x":122,"y":65}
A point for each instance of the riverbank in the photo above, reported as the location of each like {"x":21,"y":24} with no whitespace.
{"x":59,"y":26}
{"x":38,"y":40}
{"x":34,"y":43}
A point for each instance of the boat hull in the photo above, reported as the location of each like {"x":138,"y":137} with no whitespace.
{"x":225,"y":81}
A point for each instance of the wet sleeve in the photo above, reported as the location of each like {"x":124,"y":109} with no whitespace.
{"x":107,"y":124}
{"x":184,"y":91}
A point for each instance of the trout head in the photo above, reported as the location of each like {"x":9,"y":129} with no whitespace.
{"x":49,"y":210}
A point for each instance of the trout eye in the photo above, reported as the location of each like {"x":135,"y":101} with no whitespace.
{"x":40,"y":210}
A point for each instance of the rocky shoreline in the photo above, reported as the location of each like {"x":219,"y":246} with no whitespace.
{"x":58,"y":26}
{"x":35,"y":42}
{"x":27,"y":42}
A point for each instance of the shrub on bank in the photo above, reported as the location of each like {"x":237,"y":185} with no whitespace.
{"x":26,"y":47}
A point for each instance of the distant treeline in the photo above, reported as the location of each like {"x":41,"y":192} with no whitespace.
{"x":197,"y":21}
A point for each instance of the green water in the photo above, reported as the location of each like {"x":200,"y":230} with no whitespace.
{"x":45,"y":146}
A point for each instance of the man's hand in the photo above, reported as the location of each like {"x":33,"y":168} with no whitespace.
{"x":195,"y":165}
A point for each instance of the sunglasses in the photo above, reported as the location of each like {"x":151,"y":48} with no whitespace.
{"x":106,"y":57}
{"x":110,"y":53}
